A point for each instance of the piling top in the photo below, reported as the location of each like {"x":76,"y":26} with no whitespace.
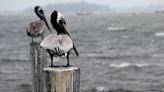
{"x":58,"y":69}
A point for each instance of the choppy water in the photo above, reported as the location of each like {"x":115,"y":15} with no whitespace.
{"x":118,"y":52}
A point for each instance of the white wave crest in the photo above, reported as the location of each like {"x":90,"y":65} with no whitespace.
{"x":101,"y":88}
{"x":127,"y":64}
{"x":116,"y":28}
{"x":159,"y":34}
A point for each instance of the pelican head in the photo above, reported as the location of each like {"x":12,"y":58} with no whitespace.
{"x":58,"y":23}
{"x":40,"y":13}
{"x":57,"y":16}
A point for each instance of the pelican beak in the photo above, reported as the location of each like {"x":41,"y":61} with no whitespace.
{"x":67,"y":32}
{"x":47,"y":24}
{"x":66,"y":29}
{"x":74,"y":48}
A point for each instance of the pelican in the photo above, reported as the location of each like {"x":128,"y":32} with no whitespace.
{"x":59,"y":44}
{"x":36,"y":28}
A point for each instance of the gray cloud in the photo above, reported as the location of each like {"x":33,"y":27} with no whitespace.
{"x":22,"y":4}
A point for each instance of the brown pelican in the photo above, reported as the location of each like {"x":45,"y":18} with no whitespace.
{"x":36,"y":28}
{"x":59,"y":44}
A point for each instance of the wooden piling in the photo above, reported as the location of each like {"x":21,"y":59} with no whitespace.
{"x":62,"y":79}
{"x":39,"y":61}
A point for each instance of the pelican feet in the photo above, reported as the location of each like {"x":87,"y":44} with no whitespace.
{"x":60,"y":65}
{"x":52,"y":66}
{"x":67,"y":65}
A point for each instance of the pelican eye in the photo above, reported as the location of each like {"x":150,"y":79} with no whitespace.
{"x":41,"y":11}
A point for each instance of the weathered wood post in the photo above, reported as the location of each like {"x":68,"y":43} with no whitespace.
{"x":62,"y":79}
{"x":39,"y":61}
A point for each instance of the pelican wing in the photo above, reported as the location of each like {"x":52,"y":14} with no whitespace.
{"x":57,"y":43}
{"x":37,"y":25}
{"x":66,"y":43}
{"x":50,"y":42}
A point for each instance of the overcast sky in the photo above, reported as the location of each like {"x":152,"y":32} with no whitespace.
{"x":15,"y":5}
